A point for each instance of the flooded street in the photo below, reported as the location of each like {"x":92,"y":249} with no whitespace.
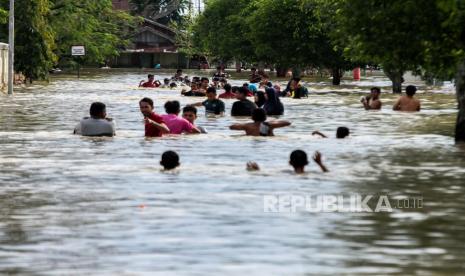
{"x":73,"y":205}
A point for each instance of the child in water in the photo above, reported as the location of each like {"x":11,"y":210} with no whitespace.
{"x":169,"y":160}
{"x":298,"y":160}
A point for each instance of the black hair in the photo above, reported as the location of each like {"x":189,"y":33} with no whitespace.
{"x":377,"y":89}
{"x":227,"y":87}
{"x":411,"y":90}
{"x":296,"y":79}
{"x":342,"y":132}
{"x":169,"y":160}
{"x":211,"y":90}
{"x":259,"y":115}
{"x":166,"y":80}
{"x":189,"y":108}
{"x":172,"y":107}
{"x":96,"y":109}
{"x":172,"y":85}
{"x":204,"y":78}
{"x":216,"y":79}
{"x":235,"y":89}
{"x":253,"y":68}
{"x":179,"y":70}
{"x":269,"y":84}
{"x":260,"y":98}
{"x":218,"y":67}
{"x":242,"y":90}
{"x":150,"y":75}
{"x":298,"y":159}
{"x":147,"y":100}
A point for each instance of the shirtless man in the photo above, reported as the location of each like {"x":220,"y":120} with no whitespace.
{"x":372,"y":102}
{"x":259,"y":126}
{"x":408,"y":102}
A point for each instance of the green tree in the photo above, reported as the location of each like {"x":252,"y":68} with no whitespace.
{"x":221,"y":30}
{"x":34,"y":39}
{"x":385,"y":33}
{"x":94,"y":24}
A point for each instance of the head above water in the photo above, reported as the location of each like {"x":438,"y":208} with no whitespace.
{"x":146,"y":106}
{"x":179,"y":71}
{"x":375,"y":90}
{"x":411,"y":90}
{"x":189,"y":113}
{"x":98,"y":110}
{"x":259,"y":115}
{"x":298,"y":160}
{"x":342,"y":132}
{"x":172,"y":107}
{"x":211,"y":92}
{"x":227,"y":87}
{"x":169,"y":160}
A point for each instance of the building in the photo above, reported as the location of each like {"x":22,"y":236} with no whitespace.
{"x":153,"y":44}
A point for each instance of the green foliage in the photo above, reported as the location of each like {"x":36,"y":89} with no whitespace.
{"x":34,"y":39}
{"x":93,"y":24}
{"x":147,"y":8}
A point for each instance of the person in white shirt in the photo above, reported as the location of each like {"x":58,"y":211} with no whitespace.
{"x":97,"y":124}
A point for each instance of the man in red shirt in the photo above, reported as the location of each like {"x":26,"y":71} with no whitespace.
{"x":228,"y":94}
{"x":154,"y":125}
{"x":150,"y":83}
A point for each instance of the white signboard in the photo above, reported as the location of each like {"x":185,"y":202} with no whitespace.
{"x":78,"y":50}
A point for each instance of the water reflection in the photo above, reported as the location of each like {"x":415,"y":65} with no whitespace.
{"x":76,"y":205}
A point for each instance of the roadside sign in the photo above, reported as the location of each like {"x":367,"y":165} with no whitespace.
{"x":78,"y":50}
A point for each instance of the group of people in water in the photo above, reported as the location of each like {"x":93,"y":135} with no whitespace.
{"x":266,"y":102}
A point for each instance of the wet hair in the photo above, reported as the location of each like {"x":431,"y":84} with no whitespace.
{"x":211,"y":90}
{"x":96,"y":109}
{"x":245,"y":84}
{"x":172,"y":107}
{"x":269,"y":84}
{"x":216,"y":79}
{"x":166,"y":80}
{"x":147,"y":100}
{"x":195,"y":79}
{"x":173,"y":85}
{"x":150,"y":76}
{"x":298,"y":159}
{"x":169,"y":160}
{"x":261,"y":98}
{"x":342,"y":132}
{"x":411,"y":90}
{"x":189,"y":108}
{"x":204,"y":78}
{"x":236,"y":89}
{"x":179,"y":71}
{"x":375,"y":89}
{"x":259,"y":115}
{"x":296,"y":79}
{"x":227,"y":87}
{"x":242,"y":90}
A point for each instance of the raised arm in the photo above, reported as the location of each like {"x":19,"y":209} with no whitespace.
{"x":317,"y":159}
{"x":278,"y":124}
{"x":319,"y":133}
{"x":237,"y":127}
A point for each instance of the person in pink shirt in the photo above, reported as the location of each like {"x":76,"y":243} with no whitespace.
{"x":176,"y":124}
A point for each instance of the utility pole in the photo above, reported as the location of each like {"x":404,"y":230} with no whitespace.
{"x":198,"y":3}
{"x":11,"y":47}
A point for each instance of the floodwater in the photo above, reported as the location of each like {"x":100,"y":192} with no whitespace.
{"x":78,"y":206}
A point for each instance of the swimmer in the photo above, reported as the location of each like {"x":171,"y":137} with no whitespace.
{"x":372,"y":102}
{"x":176,"y":124}
{"x":150,"y":83}
{"x":98,"y":124}
{"x":212,"y":104}
{"x":190,"y":113}
{"x":169,"y":160}
{"x":259,"y":126}
{"x":154,"y":124}
{"x":341,"y":133}
{"x":408,"y":102}
{"x":298,"y":160}
{"x":228,"y":94}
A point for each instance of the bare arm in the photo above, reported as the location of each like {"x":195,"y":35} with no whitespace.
{"x":195,"y":130}
{"x":319,"y":133}
{"x":317,"y":159}
{"x":162,"y":127}
{"x":278,"y":124}
{"x":237,"y":127}
{"x":396,"y":105}
{"x":197,"y":104}
{"x":375,"y":105}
